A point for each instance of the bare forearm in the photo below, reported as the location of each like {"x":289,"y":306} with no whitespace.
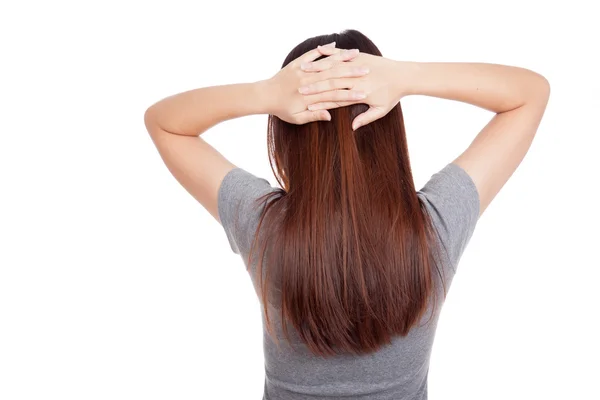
{"x":494,"y":87}
{"x":193,"y":112}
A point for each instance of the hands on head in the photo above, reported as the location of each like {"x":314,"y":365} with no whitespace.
{"x":305,"y":89}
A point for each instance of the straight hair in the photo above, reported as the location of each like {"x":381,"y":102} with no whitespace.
{"x":347,"y":250}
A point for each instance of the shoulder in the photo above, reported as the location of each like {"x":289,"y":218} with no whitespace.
{"x":452,"y":201}
{"x":240,"y":206}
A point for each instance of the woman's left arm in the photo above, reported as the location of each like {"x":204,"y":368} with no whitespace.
{"x":176,"y":122}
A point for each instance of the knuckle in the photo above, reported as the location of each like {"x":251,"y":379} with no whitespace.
{"x":349,"y":54}
{"x":345,"y":72}
{"x":304,"y":81}
{"x":341,"y":95}
{"x":351,"y":72}
{"x":308,"y":100}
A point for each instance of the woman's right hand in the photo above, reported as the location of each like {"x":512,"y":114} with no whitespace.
{"x":382,"y":86}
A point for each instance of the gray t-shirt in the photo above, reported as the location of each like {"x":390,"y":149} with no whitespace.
{"x":397,"y":371}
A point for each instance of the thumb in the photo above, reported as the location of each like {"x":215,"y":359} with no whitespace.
{"x":321,"y":115}
{"x":367,"y":117}
{"x":311,"y":116}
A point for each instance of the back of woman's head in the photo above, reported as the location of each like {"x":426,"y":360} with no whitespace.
{"x":350,"y":255}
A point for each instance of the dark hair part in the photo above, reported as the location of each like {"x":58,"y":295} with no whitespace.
{"x":351,"y":250}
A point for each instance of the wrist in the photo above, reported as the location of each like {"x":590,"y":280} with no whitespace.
{"x":407,"y":77}
{"x":265,"y":96}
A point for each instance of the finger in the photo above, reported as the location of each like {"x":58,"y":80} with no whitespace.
{"x":335,"y":95}
{"x":338,"y":56}
{"x":313,"y":54}
{"x":326,"y":85}
{"x":343,"y":70}
{"x":328,"y":105}
{"x":318,"y":82}
{"x":310,"y":116}
{"x":328,"y":49}
{"x":329,"y":84}
{"x":367,"y":117}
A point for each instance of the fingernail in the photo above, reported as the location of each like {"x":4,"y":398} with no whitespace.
{"x":305,"y":65}
{"x":359,"y":96}
{"x":363,"y":70}
{"x":327,"y":117}
{"x":312,"y":108}
{"x":332,"y":44}
{"x":351,"y":51}
{"x":356,"y":126}
{"x":304,"y":89}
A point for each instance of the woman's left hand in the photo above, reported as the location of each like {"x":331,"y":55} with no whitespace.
{"x":292,"y":106}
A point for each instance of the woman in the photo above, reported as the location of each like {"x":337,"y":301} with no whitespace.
{"x":350,"y":262}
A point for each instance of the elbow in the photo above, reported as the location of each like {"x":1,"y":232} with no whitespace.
{"x":535,"y":91}
{"x":149,"y":116}
{"x":542,"y":88}
{"x":151,"y":120}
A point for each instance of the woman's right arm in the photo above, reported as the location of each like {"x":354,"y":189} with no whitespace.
{"x":518,"y":97}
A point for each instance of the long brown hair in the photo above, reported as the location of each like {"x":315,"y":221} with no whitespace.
{"x":351,"y":250}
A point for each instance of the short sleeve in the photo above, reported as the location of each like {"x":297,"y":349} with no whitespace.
{"x":238,"y":209}
{"x":452,"y":201}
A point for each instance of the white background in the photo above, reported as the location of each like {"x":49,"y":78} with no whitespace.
{"x":115,"y":284}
